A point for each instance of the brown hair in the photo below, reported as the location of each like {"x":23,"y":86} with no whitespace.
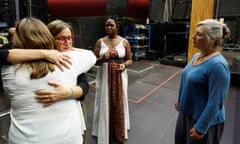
{"x":32,"y":33}
{"x":56,"y":26}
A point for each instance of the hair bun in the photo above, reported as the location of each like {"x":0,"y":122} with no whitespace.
{"x":226,"y":31}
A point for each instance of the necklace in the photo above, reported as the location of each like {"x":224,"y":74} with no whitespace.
{"x":203,"y":57}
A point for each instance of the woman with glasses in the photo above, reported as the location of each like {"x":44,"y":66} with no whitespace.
{"x":59,"y":123}
{"x":64,"y":37}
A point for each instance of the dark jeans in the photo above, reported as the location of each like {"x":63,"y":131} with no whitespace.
{"x":185,"y":123}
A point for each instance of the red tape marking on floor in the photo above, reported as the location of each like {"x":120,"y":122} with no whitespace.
{"x":156,"y":88}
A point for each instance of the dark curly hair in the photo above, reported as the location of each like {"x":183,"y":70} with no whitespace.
{"x":116,"y":19}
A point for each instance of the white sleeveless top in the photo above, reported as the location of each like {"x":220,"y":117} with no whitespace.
{"x":119,"y":47}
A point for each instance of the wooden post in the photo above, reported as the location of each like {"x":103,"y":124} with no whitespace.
{"x":201,"y":9}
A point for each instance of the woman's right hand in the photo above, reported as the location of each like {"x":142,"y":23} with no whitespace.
{"x":176,"y":105}
{"x":106,"y":55}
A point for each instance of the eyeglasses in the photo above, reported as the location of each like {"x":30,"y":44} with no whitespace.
{"x":64,"y":38}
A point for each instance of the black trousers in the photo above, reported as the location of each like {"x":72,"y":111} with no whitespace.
{"x":182,"y":132}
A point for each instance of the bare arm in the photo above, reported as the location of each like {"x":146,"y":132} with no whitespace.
{"x":128,"y":58}
{"x":22,"y":55}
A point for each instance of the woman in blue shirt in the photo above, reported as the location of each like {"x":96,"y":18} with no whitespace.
{"x":203,"y":87}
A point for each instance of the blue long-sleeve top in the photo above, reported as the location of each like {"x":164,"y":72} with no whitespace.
{"x":3,"y":56}
{"x":203,"y":89}
{"x":3,"y":61}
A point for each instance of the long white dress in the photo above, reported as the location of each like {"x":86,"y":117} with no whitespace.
{"x":100,"y":126}
{"x":31,"y":123}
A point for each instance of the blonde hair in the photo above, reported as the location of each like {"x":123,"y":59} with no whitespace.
{"x":32,"y":33}
{"x":216,"y":29}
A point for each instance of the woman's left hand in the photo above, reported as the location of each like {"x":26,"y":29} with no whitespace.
{"x":122,"y":67}
{"x":194,"y":134}
{"x":49,"y":97}
{"x":58,"y":58}
{"x":118,"y":67}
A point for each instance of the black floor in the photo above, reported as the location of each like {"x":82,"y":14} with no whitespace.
{"x":152,"y":90}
